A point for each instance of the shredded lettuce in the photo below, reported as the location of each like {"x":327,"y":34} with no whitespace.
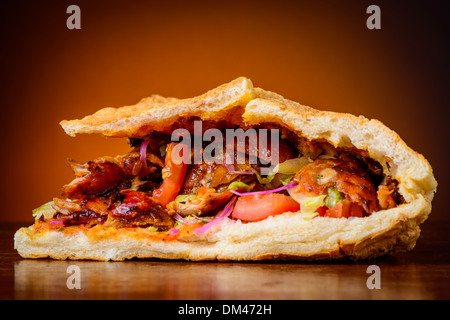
{"x":287,"y":169}
{"x":184,"y":197}
{"x":46,"y":209}
{"x":268,"y":179}
{"x":333,"y":197}
{"x":309,"y":216}
{"x":287,"y":179}
{"x":311,"y":204}
{"x":237,"y":184}
{"x":291,"y":166}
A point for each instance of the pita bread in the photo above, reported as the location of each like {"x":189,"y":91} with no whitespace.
{"x":280,"y":237}
{"x":161,"y":114}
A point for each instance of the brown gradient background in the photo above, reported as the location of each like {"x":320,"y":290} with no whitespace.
{"x":319,"y":53}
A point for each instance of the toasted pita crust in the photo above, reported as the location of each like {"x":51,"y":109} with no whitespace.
{"x":159,"y":114}
{"x":286,"y":236}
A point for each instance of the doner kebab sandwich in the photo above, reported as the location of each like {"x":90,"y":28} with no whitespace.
{"x":238,"y":173}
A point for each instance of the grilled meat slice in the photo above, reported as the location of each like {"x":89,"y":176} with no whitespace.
{"x":106,"y":175}
{"x":347,"y":176}
{"x":139,"y":209}
{"x":206,"y":200}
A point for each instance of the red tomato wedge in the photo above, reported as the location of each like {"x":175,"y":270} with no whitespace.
{"x":173,"y":176}
{"x":258,"y":207}
{"x":345,"y":209}
{"x":322,"y":211}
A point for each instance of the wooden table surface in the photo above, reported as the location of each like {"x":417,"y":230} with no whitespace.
{"x":423,"y":273}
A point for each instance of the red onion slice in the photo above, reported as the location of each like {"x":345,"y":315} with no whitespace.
{"x":179,"y":218}
{"x":143,"y":152}
{"x":227,"y":210}
{"x":56,"y":223}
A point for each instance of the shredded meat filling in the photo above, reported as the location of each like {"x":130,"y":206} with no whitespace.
{"x":388,"y":195}
{"x":117,"y":191}
{"x":98,"y":187}
{"x":346,"y":176}
{"x":206,"y":200}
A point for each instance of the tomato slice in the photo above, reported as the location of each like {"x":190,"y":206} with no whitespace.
{"x":322,"y":211}
{"x":173,"y":176}
{"x":345,"y":209}
{"x":258,"y":207}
